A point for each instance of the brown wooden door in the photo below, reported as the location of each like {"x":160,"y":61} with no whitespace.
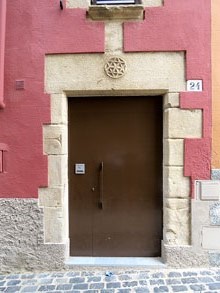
{"x":116,"y":206}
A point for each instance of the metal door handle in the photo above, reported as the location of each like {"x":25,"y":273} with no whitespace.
{"x":101,"y":186}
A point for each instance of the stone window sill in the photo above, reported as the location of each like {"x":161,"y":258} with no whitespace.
{"x":116,"y":12}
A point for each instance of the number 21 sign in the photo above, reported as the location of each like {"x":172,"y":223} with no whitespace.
{"x":194,"y":85}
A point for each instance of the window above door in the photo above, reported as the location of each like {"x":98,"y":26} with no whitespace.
{"x":115,"y":2}
{"x":116,"y":10}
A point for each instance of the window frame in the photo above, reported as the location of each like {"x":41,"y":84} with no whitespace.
{"x":94,"y":2}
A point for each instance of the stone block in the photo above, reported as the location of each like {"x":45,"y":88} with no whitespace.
{"x":116,"y":12}
{"x":173,"y":152}
{"x":177,"y":256}
{"x":55,"y":139}
{"x":174,"y":183}
{"x":148,"y":72}
{"x":59,"y":109}
{"x":77,"y":3}
{"x":211,"y":238}
{"x":50,"y":197}
{"x":57,"y":170}
{"x":214,"y":214}
{"x":171,"y":100}
{"x":54,"y":225}
{"x":180,"y":123}
{"x":177,"y":221}
{"x":113,"y":37}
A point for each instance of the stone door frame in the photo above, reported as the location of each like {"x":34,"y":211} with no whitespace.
{"x":83,"y":75}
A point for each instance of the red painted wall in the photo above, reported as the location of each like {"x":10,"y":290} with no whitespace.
{"x":33,"y":29}
{"x":36,"y":28}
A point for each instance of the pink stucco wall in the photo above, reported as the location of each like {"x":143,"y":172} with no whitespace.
{"x":2,"y":49}
{"x":33,"y":29}
{"x":36,"y":28}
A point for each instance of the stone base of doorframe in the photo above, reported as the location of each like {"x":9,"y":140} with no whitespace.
{"x":185,"y":256}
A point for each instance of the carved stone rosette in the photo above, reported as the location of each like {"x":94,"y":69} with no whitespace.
{"x":115,"y":67}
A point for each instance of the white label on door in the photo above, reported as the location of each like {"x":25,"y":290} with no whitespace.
{"x":80,"y":169}
{"x":194,"y":86}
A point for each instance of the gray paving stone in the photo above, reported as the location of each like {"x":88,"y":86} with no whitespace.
{"x":189,"y":280}
{"x":28,"y":276}
{"x":173,"y":281}
{"x":112,"y":278}
{"x":12,"y":289}
{"x":158,"y":275}
{"x":86,"y":274}
{"x":189,"y":274}
{"x":46,"y":288}
{"x":157,"y":282}
{"x":124,"y":278}
{"x":29,"y":282}
{"x":29,"y":289}
{"x":206,"y":273}
{"x":130,"y":284}
{"x":141,"y":290}
{"x":107,"y":291}
{"x":161,"y":289}
{"x":205,"y":279}
{"x":143,"y":276}
{"x":124,"y":291}
{"x":143,"y":282}
{"x":82,"y":286}
{"x":2,"y":289}
{"x":179,"y":288}
{"x":174,"y":275}
{"x":96,"y":286}
{"x":64,"y":287}
{"x":197,"y":287}
{"x":60,"y":280}
{"x":113,"y":285}
{"x":2,"y":283}
{"x":94,"y":279}
{"x":13,"y":282}
{"x":214,"y":286}
{"x":77,"y":280}
{"x":13,"y":277}
{"x":46,"y":281}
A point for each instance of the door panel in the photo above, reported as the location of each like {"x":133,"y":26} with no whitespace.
{"x":125,"y":133}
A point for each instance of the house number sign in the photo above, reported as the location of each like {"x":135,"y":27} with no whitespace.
{"x":194,"y":85}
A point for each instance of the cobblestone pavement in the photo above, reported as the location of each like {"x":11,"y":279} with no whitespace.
{"x":115,"y":281}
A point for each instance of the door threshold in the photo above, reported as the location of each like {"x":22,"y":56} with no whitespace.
{"x":151,"y":262}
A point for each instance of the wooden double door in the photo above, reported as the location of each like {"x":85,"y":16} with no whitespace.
{"x":115,"y":176}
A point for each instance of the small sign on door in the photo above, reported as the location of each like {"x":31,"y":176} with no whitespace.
{"x":80,"y":169}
